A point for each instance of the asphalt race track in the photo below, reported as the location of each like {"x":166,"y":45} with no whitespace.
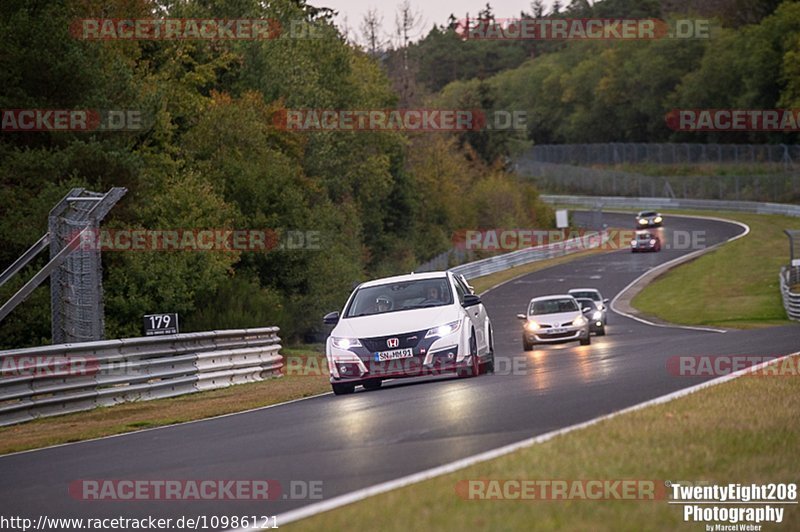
{"x":355,"y":441}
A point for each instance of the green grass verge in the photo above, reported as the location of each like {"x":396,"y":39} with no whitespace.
{"x":734,"y":286}
{"x":742,"y":431}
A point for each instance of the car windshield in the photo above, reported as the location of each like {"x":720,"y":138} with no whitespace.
{"x":406,"y":295}
{"x":586,"y":295}
{"x":647,"y":213}
{"x":552,"y":306}
{"x":583,"y":303}
{"x":644,"y":236}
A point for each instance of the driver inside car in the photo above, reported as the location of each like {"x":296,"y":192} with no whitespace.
{"x":382,"y":304}
{"x":432,"y":295}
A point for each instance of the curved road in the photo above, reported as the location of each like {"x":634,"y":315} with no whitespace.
{"x":356,"y":441}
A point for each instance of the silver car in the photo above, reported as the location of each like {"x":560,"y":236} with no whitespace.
{"x":554,"y":319}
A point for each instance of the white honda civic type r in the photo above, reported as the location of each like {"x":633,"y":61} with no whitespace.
{"x":408,"y":326}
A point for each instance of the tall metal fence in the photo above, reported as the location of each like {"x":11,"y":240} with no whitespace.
{"x":665,"y":153}
{"x":59,"y":379}
{"x":568,"y":179}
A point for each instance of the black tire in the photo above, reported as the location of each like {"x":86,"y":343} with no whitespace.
{"x":475,"y":367}
{"x":343,"y":388}
{"x":372,"y":384}
{"x":587,"y":340}
{"x":601,"y":331}
{"x":526,"y":345}
{"x":489,"y":366}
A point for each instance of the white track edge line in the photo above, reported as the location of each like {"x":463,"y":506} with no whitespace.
{"x":358,"y":495}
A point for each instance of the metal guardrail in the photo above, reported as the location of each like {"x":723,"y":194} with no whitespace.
{"x":63,"y":378}
{"x":470,"y":270}
{"x":674,"y":203}
{"x":790,"y":276}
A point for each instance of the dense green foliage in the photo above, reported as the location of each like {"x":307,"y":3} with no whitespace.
{"x":212,"y":157}
{"x":621,"y":91}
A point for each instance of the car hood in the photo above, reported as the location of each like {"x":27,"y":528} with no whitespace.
{"x":555,"y":319}
{"x":399,"y":322}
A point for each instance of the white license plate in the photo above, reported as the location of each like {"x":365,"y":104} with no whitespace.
{"x":382,"y":356}
{"x":557,"y":331}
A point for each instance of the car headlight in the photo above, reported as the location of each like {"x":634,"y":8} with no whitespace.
{"x":657,"y":219}
{"x":653,"y":242}
{"x":580,"y":321}
{"x":597,"y":315}
{"x":345,"y":343}
{"x":642,"y":221}
{"x":443,"y":330}
{"x":532,"y":326}
{"x":633,"y":243}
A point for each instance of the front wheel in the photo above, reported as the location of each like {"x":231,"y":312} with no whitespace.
{"x":587,"y":340}
{"x":489,"y":367}
{"x":601,"y":331}
{"x":372,"y":384}
{"x":526,"y":345}
{"x":475,"y":367}
{"x":343,"y":388}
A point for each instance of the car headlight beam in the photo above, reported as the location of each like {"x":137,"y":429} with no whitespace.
{"x":443,"y":330}
{"x":532,"y":326}
{"x":580,"y":321}
{"x":345,"y":343}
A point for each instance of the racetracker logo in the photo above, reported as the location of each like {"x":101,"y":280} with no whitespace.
{"x":410,"y":120}
{"x":40,"y":366}
{"x":258,"y":240}
{"x":194,"y":490}
{"x":560,"y":490}
{"x":72,"y":120}
{"x":541,"y":29}
{"x":719,"y":365}
{"x":699,"y":120}
{"x":105,"y":29}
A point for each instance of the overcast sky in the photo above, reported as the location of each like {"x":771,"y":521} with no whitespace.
{"x":431,"y":11}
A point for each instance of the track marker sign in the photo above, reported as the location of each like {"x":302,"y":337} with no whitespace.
{"x":160,"y":324}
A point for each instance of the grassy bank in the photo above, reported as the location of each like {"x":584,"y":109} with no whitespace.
{"x":734,"y":286}
{"x":742,"y":431}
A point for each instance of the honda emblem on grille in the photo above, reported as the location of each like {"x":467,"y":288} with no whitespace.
{"x":392,"y":342}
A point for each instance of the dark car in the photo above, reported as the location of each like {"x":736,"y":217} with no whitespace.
{"x":594,"y":314}
{"x":645,"y":241}
{"x":649,"y":219}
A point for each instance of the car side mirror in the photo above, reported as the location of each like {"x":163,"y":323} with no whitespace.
{"x":332,"y":318}
{"x":470,"y":300}
{"x":586,"y":310}
{"x":522,"y":317}
{"x":605,"y":300}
